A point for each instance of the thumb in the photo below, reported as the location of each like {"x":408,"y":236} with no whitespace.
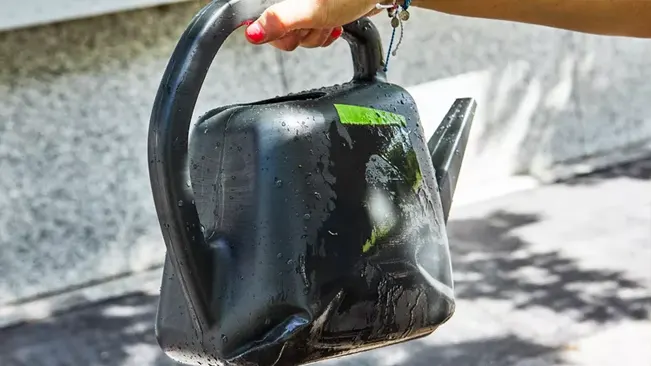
{"x":282,"y":18}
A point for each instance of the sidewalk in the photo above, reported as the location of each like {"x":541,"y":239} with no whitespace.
{"x":559,"y":275}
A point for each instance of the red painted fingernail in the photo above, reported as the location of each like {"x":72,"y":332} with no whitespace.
{"x":255,"y":33}
{"x":246,"y":22}
{"x":336,"y":33}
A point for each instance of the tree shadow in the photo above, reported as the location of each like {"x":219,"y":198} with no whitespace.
{"x":498,"y":351}
{"x":492,"y":262}
{"x":637,"y":170}
{"x":119,"y":332}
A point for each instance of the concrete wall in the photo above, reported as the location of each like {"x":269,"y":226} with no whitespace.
{"x":19,"y":14}
{"x":75,"y":99}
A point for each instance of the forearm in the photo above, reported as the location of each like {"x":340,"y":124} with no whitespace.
{"x":608,"y":17}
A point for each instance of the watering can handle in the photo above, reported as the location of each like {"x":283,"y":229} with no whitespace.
{"x":170,"y":122}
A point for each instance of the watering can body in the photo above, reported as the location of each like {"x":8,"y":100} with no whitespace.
{"x":303,"y":227}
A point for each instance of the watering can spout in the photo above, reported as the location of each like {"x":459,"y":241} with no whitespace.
{"x":447,"y":147}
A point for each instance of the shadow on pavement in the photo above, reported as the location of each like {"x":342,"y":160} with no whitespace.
{"x":498,"y":351}
{"x":501,"y":351}
{"x":115,"y":333}
{"x":493,"y":262}
{"x":639,"y":169}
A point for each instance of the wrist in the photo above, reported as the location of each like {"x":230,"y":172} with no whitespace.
{"x":391,"y":5}
{"x":401,"y":3}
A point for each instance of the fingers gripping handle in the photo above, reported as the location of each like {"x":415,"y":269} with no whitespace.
{"x":170,"y":123}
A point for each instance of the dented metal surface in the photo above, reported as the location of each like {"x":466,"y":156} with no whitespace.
{"x":295,"y":234}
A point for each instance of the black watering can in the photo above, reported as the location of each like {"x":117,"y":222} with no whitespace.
{"x":303,"y":227}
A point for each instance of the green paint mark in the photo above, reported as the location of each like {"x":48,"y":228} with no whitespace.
{"x":377,"y":234}
{"x":356,"y":115}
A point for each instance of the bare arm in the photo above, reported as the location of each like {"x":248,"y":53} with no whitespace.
{"x":317,"y":23}
{"x":630,"y":18}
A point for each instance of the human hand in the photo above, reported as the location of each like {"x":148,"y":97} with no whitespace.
{"x":307,"y":23}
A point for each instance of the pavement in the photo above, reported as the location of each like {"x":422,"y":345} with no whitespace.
{"x":556,"y":275}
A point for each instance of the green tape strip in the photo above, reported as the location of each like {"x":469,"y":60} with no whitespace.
{"x":356,"y":115}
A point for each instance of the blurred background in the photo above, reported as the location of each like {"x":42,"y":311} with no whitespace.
{"x":550,"y":230}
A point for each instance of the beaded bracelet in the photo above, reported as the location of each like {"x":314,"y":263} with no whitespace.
{"x":398,"y":14}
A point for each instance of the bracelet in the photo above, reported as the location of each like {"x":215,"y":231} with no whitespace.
{"x":398,"y":14}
